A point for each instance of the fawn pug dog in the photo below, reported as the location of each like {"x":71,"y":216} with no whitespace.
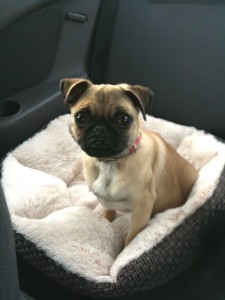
{"x":128,"y":168}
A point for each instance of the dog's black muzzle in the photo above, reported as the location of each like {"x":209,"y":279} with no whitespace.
{"x":102,"y":141}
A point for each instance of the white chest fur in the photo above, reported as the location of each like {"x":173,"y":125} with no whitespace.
{"x":110,"y":187}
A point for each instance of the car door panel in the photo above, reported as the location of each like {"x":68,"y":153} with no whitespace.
{"x":38,"y":47}
{"x":28,"y":50}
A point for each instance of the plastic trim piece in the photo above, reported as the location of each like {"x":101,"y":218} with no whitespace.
{"x":77,"y":17}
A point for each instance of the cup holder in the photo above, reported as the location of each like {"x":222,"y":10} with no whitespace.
{"x":8,"y":108}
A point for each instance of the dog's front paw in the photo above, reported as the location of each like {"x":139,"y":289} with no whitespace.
{"x":108,"y":214}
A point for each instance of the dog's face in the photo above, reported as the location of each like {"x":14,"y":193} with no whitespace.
{"x":105,"y":117}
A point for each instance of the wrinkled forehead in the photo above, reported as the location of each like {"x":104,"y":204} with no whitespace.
{"x":104,"y":99}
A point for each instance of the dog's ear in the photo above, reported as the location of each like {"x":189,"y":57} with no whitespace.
{"x":140,"y":96}
{"x":73,"y":88}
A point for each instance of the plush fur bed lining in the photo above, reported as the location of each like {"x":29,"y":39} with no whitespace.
{"x":51,"y":206}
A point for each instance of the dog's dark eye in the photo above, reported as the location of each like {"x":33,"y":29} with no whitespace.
{"x":122,"y":119}
{"x":82,"y":118}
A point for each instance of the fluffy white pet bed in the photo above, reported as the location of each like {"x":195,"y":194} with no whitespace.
{"x":58,"y":229}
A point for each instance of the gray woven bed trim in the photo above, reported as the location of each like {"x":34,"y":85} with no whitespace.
{"x":157,"y":266}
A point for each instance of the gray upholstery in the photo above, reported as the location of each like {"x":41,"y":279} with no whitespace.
{"x":178,"y":49}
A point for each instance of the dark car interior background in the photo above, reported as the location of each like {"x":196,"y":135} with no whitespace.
{"x":176,"y":47}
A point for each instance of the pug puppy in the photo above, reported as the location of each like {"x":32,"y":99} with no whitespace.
{"x":128,"y":168}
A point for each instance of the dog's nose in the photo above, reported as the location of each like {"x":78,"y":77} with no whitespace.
{"x":100,"y":131}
